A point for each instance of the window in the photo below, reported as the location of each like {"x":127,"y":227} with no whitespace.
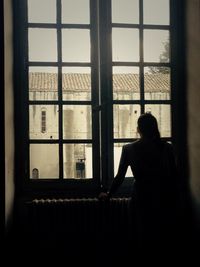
{"x":89,"y":69}
{"x":43,"y":121}
{"x":35,"y":173}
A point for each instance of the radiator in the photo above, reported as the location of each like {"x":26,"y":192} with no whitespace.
{"x":75,"y":219}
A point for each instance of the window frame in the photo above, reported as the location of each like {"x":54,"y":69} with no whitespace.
{"x":107,"y":95}
{"x":70,"y":186}
{"x":102,"y":102}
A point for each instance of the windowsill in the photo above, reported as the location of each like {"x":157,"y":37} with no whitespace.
{"x":70,"y":189}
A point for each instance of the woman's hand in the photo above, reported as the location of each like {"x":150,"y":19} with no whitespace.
{"x":103,"y":196}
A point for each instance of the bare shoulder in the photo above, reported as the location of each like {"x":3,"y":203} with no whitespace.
{"x":132,"y":145}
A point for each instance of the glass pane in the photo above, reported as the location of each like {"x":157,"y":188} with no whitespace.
{"x":77,"y":161}
{"x":125,"y":121}
{"x":125,"y":11}
{"x":157,"y":83}
{"x":43,"y":83}
{"x":43,"y":121}
{"x":42,"y":44}
{"x":76,"y":83}
{"x":156,"y":46}
{"x":75,"y":11}
{"x":163,"y":115}
{"x":126,"y":83}
{"x":77,"y":122}
{"x":42,"y":11}
{"x":156,"y":12}
{"x":75,"y":45}
{"x":117,"y":156}
{"x":125,"y":44}
{"x":44,"y":161}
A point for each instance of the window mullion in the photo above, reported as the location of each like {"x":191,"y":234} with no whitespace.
{"x":95,"y":85}
{"x":106,"y":92}
{"x":59,"y":49}
{"x":141,"y":40}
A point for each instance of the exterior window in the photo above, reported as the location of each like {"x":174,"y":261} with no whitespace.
{"x":141,"y":68}
{"x":80,"y":168}
{"x":43,"y":121}
{"x":91,"y":68}
{"x":35,"y":173}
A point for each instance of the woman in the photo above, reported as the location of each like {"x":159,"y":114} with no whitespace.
{"x":153,"y":166}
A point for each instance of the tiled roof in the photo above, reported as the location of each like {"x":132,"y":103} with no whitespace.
{"x":81,"y":82}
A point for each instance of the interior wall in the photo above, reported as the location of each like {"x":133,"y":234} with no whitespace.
{"x":193,"y":97}
{"x":9,"y":113}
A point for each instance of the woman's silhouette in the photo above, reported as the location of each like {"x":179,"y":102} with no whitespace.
{"x":153,"y":165}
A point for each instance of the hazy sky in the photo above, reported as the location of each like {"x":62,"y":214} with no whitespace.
{"x":76,"y":43}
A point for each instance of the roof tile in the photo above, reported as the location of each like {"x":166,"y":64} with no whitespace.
{"x":41,"y":81}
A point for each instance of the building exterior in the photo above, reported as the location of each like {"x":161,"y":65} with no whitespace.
{"x":77,"y":119}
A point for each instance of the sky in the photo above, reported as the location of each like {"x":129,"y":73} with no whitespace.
{"x":76,"y":42}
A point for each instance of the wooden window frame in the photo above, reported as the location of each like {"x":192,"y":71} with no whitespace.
{"x":102,"y":97}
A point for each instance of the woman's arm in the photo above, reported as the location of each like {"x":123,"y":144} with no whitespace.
{"x":119,"y":178}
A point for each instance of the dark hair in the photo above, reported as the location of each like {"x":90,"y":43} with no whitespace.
{"x":148,"y":126}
